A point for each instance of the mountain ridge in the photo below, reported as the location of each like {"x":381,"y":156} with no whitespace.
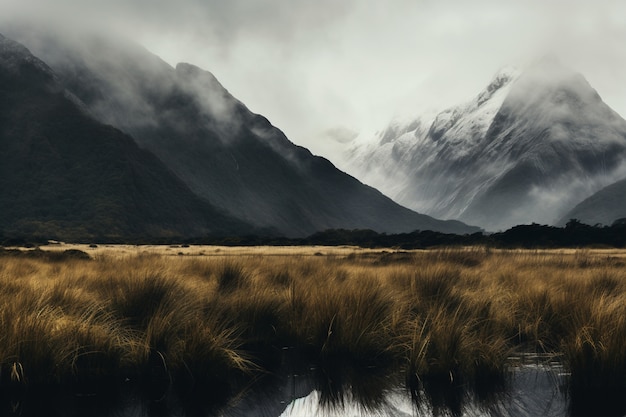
{"x":217,"y":147}
{"x":65,"y":175}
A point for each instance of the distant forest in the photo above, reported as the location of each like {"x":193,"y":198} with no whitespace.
{"x":575,"y":234}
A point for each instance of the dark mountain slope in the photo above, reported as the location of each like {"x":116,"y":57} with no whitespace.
{"x":65,"y":175}
{"x":604,"y":207}
{"x":225,"y":153}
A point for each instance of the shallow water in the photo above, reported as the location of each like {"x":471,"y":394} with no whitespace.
{"x":530,"y":389}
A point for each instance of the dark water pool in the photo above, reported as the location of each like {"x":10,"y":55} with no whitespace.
{"x":534,"y":386}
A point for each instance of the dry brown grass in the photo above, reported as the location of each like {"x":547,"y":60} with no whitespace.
{"x":453,"y":314}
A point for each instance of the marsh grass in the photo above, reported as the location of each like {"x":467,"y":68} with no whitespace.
{"x":446,"y":317}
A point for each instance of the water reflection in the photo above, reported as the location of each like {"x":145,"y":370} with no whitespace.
{"x":533,"y":392}
{"x":301,"y":388}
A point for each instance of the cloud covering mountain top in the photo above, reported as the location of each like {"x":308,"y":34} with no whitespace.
{"x":315,"y":66}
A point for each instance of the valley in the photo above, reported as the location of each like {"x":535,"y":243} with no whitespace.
{"x":171,"y":246}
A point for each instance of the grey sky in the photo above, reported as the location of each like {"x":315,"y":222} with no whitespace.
{"x":336,"y":66}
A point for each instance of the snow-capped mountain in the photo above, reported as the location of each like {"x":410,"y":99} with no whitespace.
{"x":526,"y":149}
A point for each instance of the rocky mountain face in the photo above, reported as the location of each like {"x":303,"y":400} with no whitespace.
{"x":604,"y":207}
{"x":212,"y":144}
{"x":526,"y":149}
{"x":65,"y":175}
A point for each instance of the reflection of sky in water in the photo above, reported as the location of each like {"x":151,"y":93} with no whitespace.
{"x":534,"y":391}
{"x":399,"y":405}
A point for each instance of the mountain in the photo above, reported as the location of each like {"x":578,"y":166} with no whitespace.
{"x":221,"y":150}
{"x":526,"y":149}
{"x":65,"y":175}
{"x":604,"y":207}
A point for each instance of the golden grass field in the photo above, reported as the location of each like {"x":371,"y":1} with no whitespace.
{"x":205,"y":312}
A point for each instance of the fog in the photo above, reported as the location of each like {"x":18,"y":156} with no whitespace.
{"x":323,"y":71}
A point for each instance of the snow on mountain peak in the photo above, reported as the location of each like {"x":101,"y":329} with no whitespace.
{"x":464,"y":126}
{"x":502,"y":78}
{"x":450,"y":134}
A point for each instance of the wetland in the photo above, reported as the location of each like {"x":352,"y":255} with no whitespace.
{"x":204,"y":330}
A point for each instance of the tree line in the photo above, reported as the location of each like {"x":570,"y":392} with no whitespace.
{"x":573,"y":234}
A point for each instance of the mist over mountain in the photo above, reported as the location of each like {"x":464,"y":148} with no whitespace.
{"x":65,"y":175}
{"x":220,"y":150}
{"x":527,"y":149}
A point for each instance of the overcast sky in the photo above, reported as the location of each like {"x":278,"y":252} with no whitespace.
{"x":344,"y":65}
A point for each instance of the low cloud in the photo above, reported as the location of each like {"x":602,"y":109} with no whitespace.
{"x":311,"y":66}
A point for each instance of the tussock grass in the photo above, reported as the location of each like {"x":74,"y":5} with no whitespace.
{"x":452,"y":315}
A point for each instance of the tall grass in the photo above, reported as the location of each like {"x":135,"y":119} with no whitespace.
{"x":447,"y":316}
